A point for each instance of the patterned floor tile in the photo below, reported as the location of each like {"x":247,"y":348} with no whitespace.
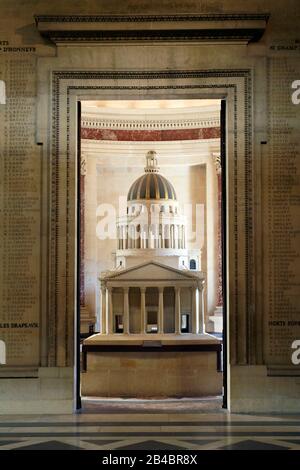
{"x":200,"y":442}
{"x":151,"y":445}
{"x":250,"y":444}
{"x":150,"y":431}
{"x":49,"y":445}
{"x":291,"y":441}
{"x":101,"y":442}
{"x":6,"y":443}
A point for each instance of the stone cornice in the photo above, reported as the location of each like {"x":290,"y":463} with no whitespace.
{"x":146,"y":124}
{"x":220,"y":28}
{"x":154,"y":18}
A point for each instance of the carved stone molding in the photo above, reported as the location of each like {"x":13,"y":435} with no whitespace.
{"x":220,"y":28}
{"x":83,"y":164}
{"x":217,"y":161}
{"x":145,"y":124}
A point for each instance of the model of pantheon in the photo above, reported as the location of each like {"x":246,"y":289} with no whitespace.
{"x":156,"y":286}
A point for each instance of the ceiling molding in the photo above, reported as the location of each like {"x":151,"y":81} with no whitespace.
{"x":134,"y":124}
{"x":208,"y":28}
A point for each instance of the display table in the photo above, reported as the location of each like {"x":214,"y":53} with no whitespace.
{"x":144,"y":366}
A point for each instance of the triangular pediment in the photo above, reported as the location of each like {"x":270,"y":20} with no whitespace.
{"x":151,"y":271}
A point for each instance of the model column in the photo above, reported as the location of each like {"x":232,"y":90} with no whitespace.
{"x":123,"y":236}
{"x":177,"y":311}
{"x":110,"y":311}
{"x":143,"y":310}
{"x":160,"y":310}
{"x":103,"y":310}
{"x":126,"y":310}
{"x":194,"y":311}
{"x":183,"y":237}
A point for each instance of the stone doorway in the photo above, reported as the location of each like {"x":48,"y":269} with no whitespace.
{"x":69,"y":88}
{"x":186,"y":137}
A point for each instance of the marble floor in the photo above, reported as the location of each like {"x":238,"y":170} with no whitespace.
{"x":158,"y":428}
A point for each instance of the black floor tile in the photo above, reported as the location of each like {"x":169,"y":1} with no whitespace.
{"x":6,"y":443}
{"x":201,"y":442}
{"x":253,"y":445}
{"x":49,"y":445}
{"x":151,"y":445}
{"x":101,"y":442}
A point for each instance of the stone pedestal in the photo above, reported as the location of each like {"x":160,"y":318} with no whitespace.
{"x":143,"y":367}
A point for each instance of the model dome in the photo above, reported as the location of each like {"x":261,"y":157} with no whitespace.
{"x":152,"y":185}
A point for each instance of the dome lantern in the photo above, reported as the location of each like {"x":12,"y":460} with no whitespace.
{"x":151,"y":165}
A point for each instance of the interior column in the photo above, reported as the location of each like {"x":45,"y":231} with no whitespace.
{"x":201,"y":309}
{"x":103,"y":310}
{"x":160,"y":310}
{"x":143,"y":310}
{"x":126,"y":310}
{"x":110,"y":311}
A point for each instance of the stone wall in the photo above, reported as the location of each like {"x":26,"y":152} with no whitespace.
{"x":38,"y":191}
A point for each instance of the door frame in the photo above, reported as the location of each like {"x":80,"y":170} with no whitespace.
{"x":69,"y":87}
{"x":223,"y":251}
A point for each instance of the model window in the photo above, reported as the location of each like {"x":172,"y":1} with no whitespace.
{"x":184,"y":323}
{"x":119,"y":328}
{"x":152,"y":326}
{"x":192,"y":264}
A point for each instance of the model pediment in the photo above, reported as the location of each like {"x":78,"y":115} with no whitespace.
{"x":152,"y":270}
